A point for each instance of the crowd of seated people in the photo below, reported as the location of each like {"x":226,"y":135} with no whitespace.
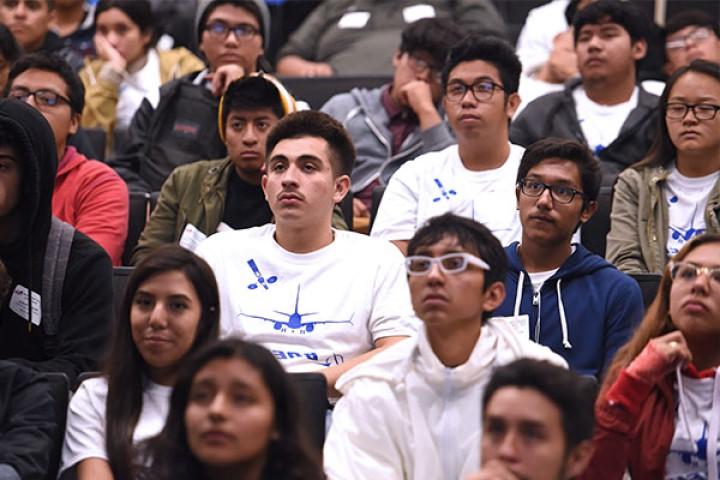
{"x":465,"y":329}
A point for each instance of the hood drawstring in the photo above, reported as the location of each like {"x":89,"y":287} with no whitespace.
{"x":563,"y":320}
{"x":518,"y":294}
{"x":714,"y":428}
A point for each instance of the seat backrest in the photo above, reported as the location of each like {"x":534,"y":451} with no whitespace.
{"x":377,"y":195}
{"x":311,"y":388}
{"x":593,"y":234}
{"x":120,"y":279}
{"x":649,"y":284}
{"x":318,"y":90}
{"x":139,"y":213}
{"x":98,"y":141}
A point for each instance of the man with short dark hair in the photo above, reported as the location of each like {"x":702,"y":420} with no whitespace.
{"x":476,"y":177}
{"x":87,"y":194}
{"x":537,"y":423}
{"x":689,"y":35}
{"x":560,"y":294}
{"x":29,"y":21}
{"x":320,"y":299}
{"x":605,"y":108}
{"x":59,"y":308}
{"x":412,"y":412}
{"x":392,"y":124}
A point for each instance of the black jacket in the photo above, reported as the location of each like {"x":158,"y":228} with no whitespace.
{"x":181,"y":130}
{"x":554,"y":115}
{"x":28,"y":425}
{"x":86,"y":300}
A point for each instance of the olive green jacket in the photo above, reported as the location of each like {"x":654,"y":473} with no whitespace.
{"x":195,"y":194}
{"x":637,"y":242}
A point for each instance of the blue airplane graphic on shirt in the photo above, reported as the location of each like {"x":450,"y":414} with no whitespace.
{"x":445,"y":193}
{"x":295,"y":319}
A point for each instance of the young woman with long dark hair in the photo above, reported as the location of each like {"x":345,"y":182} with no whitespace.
{"x":233,"y":415}
{"x":169,"y":310}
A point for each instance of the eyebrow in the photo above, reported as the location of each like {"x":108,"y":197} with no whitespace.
{"x":483,"y":78}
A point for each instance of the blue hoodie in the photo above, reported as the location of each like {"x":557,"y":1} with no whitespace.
{"x":586,"y":310}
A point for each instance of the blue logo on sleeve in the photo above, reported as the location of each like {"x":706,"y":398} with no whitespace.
{"x":295,"y":319}
{"x":261,"y":280}
{"x":443,"y":192}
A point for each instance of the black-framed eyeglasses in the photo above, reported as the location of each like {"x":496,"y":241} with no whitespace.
{"x":43,"y":97}
{"x":482,"y":90}
{"x":702,"y":111}
{"x":220,"y":30}
{"x":450,"y":263}
{"x":559,"y":193}
{"x":694,"y":36}
{"x":418,"y":65}
{"x":688,"y":272}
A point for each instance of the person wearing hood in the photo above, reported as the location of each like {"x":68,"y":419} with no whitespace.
{"x":559,"y":293}
{"x":413,"y":411}
{"x":69,"y":275}
{"x":658,"y":413}
{"x":397,"y":122}
{"x":182,"y":126}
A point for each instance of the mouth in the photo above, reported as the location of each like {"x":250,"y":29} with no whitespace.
{"x":215,"y":437}
{"x":250,"y":155}
{"x":468,"y":117}
{"x":434,"y":299}
{"x":290,"y":198}
{"x":694,"y":306}
{"x":689,"y":134}
{"x":594,"y":61}
{"x":541,"y":219}
{"x":156,"y":341}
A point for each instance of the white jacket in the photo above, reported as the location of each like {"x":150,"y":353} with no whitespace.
{"x":404,"y":415}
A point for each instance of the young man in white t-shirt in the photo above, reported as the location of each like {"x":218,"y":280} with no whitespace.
{"x":476,"y":177}
{"x":605,"y":108}
{"x":559,"y":293}
{"x":320,"y":299}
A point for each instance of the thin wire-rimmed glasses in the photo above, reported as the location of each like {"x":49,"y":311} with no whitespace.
{"x":43,"y":97}
{"x":221,"y":30}
{"x":482,"y":90}
{"x":702,"y":111}
{"x":559,"y":193}
{"x":450,"y":263}
{"x":688,"y":272}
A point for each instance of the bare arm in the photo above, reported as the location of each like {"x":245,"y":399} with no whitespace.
{"x":293,"y":65}
{"x":334,"y":372}
{"x":94,"y":469}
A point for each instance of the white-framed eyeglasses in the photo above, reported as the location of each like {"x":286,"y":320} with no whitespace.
{"x":450,"y":263}
{"x":688,"y":272}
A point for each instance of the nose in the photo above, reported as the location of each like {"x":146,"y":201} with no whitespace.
{"x":158,"y":317}
{"x":507,"y":450}
{"x":701,"y":284}
{"x":545,"y":200}
{"x":216,"y":409}
{"x":468,"y":99}
{"x":435,"y":275}
{"x":112,"y":38}
{"x":249,"y":135}
{"x":231,"y":39}
{"x":290,"y":176}
{"x":20,"y":10}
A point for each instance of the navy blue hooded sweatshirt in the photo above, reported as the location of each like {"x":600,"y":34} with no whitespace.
{"x":585,"y":311}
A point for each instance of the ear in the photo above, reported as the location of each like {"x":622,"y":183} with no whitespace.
{"x":146,"y":38}
{"x":639,"y":49}
{"x":396,"y":59}
{"x":74,"y":123}
{"x":494,"y":296}
{"x":263,"y":184}
{"x":517,"y":197}
{"x":342,"y":186}
{"x":578,"y":459}
{"x":588,"y":211}
{"x":513,"y":102}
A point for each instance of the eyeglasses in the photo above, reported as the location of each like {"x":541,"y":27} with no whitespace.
{"x":688,"y":272}
{"x":697,"y":35}
{"x":220,"y":30}
{"x":482,"y":90}
{"x":450,"y":263}
{"x":559,"y":193}
{"x":418,"y":65}
{"x":43,"y":97}
{"x":702,"y":111}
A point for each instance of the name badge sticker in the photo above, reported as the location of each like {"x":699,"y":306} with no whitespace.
{"x":191,"y":237}
{"x":19,"y":304}
{"x":417,"y":12}
{"x":354,"y":20}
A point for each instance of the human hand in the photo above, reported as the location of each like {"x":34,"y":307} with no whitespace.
{"x":562,"y":63}
{"x":223,"y":76}
{"x":316,"y":69}
{"x":417,"y":95}
{"x":109,"y":54}
{"x":359,"y":209}
{"x":493,"y":470}
{"x":660,"y":356}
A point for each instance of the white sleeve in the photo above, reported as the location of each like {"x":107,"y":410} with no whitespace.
{"x":398,"y":212}
{"x":85,"y":428}
{"x":392,"y":312}
{"x":361,"y":443}
{"x":535,"y":42}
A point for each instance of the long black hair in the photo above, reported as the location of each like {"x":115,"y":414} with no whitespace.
{"x":125,"y":366}
{"x":662,"y":152}
{"x":288,"y":456}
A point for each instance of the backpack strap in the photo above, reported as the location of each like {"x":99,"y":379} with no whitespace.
{"x":57,"y":254}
